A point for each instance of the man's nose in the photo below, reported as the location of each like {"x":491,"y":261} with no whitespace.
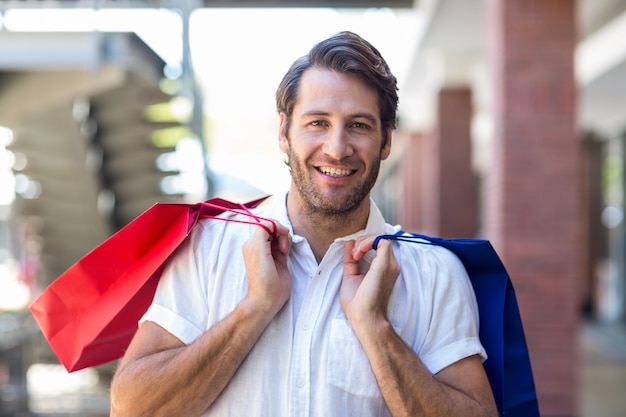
{"x":337,"y":144}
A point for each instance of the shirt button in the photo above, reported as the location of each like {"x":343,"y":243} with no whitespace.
{"x":305,"y":326}
{"x":300,"y":382}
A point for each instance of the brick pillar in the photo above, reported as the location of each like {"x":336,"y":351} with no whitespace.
{"x":430,"y":184}
{"x":412,"y":172}
{"x":533,"y":211}
{"x":444,"y":176}
{"x":453,"y":147}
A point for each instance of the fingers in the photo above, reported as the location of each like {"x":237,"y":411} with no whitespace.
{"x":384,"y":247}
{"x":283,"y":239}
{"x":275,"y":232}
{"x":384,"y":257}
{"x":365,"y":295}
{"x":350,"y":263}
{"x":362,"y":245}
{"x":265,"y":256}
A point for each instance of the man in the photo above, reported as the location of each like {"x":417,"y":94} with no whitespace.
{"x":308,"y":320}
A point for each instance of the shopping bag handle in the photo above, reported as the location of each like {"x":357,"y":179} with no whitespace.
{"x":403,"y":236}
{"x":242,"y":210}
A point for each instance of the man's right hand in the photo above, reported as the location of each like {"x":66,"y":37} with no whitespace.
{"x":265,"y":257}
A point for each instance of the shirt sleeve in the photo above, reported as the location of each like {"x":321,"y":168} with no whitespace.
{"x":180,"y":301}
{"x":452,"y":332}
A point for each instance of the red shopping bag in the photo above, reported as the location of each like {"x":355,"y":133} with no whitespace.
{"x":89,"y":314}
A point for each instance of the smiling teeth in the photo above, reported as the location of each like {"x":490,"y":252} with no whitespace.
{"x":334,"y":172}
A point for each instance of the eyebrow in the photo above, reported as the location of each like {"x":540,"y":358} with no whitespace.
{"x":367,"y":116}
{"x":315,"y":113}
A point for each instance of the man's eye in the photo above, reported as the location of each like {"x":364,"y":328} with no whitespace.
{"x":317,"y":123}
{"x":360,"y":125}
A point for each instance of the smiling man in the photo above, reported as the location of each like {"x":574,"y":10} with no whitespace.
{"x":308,"y":320}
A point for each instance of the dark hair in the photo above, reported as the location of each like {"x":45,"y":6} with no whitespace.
{"x":345,"y":52}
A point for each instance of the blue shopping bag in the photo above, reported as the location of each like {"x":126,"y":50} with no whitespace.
{"x":501,"y":332}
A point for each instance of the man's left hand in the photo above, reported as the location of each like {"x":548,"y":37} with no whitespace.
{"x":365,"y":297}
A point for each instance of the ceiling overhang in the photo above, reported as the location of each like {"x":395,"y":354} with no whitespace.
{"x":356,"y":4}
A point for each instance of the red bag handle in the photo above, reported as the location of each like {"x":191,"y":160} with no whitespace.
{"x":238,"y":208}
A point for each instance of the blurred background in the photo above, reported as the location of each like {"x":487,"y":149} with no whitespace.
{"x":512,"y":127}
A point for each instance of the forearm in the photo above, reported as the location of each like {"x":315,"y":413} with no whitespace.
{"x":407,"y":386}
{"x":186,"y":380}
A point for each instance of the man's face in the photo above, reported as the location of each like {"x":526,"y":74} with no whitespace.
{"x":334,"y":142}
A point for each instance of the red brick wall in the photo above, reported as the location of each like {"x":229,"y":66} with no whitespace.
{"x":533,"y":211}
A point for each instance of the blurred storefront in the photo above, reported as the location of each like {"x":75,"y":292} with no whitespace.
{"x":87,"y":131}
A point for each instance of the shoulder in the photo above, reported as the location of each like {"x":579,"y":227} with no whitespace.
{"x":223,"y":231}
{"x":427,"y":255}
{"x":429,"y":266}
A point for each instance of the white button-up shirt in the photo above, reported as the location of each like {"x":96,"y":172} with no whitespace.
{"x":308,"y":362}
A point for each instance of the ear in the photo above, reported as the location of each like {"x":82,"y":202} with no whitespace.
{"x":386,"y":150}
{"x":283,"y":143}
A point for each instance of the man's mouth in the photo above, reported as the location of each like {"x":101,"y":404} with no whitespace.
{"x":335,"y":172}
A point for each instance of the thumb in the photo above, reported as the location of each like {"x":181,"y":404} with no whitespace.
{"x":350,"y":264}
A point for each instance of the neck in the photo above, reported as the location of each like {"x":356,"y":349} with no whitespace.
{"x":321,"y":229}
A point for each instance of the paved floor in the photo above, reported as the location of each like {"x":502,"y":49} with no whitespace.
{"x":603,"y":370}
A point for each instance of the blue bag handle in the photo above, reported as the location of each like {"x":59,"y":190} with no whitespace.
{"x":501,"y":331}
